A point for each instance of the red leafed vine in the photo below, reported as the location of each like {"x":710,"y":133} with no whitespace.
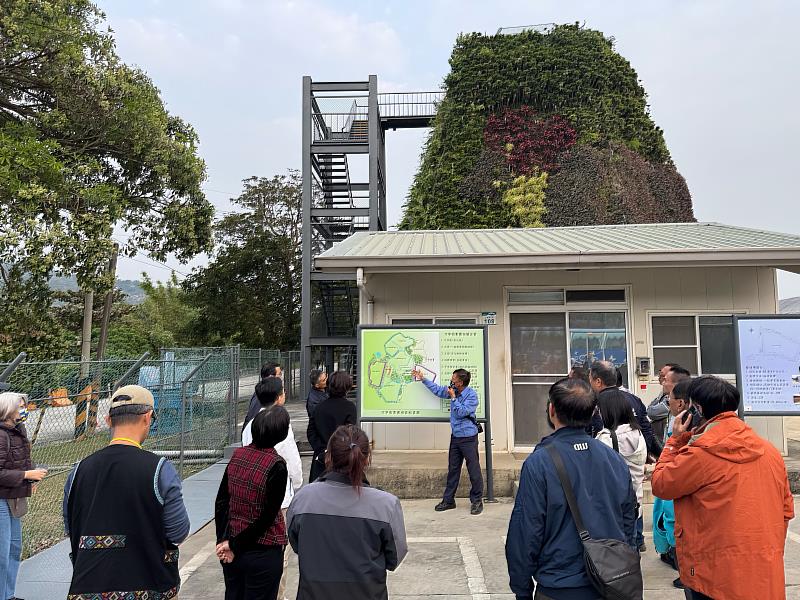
{"x":529,"y":141}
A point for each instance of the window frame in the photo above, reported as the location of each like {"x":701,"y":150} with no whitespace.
{"x":433,"y":318}
{"x":565,"y":309}
{"x":695,"y":314}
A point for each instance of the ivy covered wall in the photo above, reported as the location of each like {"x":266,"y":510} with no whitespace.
{"x":561,"y":109}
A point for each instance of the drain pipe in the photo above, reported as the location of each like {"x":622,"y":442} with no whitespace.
{"x":361,"y":282}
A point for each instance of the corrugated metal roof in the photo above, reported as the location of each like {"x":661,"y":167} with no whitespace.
{"x":664,"y":237}
{"x":559,"y":244}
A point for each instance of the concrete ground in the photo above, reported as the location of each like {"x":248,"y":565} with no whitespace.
{"x":452,"y":556}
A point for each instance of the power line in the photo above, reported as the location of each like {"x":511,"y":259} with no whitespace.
{"x":151,"y":261}
{"x":208,"y":189}
{"x":150,"y":264}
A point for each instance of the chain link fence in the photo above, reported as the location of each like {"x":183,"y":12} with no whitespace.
{"x":197,"y":393}
{"x":251,"y":361}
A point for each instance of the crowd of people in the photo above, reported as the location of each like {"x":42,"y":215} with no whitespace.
{"x":125,"y":516}
{"x":722,"y":495}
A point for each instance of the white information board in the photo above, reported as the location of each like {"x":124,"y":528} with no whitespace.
{"x":768,"y":363}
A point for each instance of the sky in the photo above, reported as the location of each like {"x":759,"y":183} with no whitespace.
{"x":721,"y":79}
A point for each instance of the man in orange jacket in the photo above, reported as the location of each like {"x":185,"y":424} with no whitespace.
{"x":732,"y":500}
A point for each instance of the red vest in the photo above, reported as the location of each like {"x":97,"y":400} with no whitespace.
{"x":247,"y":485}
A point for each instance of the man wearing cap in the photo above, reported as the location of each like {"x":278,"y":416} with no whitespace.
{"x":124,"y":511}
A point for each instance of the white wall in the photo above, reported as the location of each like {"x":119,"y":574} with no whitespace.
{"x":693,"y":290}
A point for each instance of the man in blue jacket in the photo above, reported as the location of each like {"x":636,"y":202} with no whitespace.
{"x":463,"y":438}
{"x":543,"y":543}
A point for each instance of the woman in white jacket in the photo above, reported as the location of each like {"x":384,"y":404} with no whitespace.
{"x":622,"y":432}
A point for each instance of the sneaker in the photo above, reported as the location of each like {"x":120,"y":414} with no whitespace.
{"x":443,"y":505}
{"x":678,"y":584}
{"x":643,"y":548}
{"x":477,"y":508}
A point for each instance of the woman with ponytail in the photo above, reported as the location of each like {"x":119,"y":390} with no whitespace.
{"x":346,"y":533}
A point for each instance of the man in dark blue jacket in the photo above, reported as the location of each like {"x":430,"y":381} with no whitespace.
{"x":543,"y":543}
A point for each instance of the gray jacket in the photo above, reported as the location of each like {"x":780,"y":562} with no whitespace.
{"x":345,"y":541}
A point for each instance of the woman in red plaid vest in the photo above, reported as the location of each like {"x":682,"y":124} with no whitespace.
{"x":251,"y":532}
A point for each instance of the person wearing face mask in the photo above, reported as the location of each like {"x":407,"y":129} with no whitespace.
{"x":543,"y":544}
{"x":463,"y":438}
{"x":658,"y":409}
{"x":17,"y":481}
{"x":318,"y":392}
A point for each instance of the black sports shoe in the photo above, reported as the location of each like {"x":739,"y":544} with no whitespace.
{"x":669,"y":558}
{"x":476,"y":509}
{"x":642,"y":548}
{"x":678,"y":584}
{"x":442,"y":506}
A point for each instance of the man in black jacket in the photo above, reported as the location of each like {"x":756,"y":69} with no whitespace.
{"x":603,"y":375}
{"x":269,"y":369}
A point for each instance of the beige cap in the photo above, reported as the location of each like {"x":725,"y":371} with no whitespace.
{"x":132,"y":394}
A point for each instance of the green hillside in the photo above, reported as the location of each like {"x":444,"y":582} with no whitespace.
{"x":543,"y":129}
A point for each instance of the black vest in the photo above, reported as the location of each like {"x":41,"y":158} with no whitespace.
{"x":117,"y":530}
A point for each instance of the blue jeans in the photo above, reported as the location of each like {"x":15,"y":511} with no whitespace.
{"x":10,"y":550}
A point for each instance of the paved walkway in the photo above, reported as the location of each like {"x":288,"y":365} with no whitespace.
{"x":452,"y":556}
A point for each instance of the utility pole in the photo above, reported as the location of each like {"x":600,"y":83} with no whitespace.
{"x":86,"y":336}
{"x":109,"y":300}
{"x":97,"y":384}
{"x":81,"y":401}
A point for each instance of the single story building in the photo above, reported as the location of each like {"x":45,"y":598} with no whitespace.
{"x":664,"y":292}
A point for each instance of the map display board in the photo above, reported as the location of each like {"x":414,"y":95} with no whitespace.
{"x":768,"y":364}
{"x":387,"y":355}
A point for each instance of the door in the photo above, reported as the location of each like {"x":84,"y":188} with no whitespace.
{"x":538,"y":359}
{"x":544,"y":346}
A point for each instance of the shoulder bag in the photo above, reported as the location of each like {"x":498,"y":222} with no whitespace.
{"x":614,"y":440}
{"x":613,"y":567}
{"x":472,"y":418}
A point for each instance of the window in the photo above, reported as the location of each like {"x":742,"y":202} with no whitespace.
{"x":538,"y":344}
{"x":434,"y":320}
{"x":595,"y":296}
{"x":412,"y":321}
{"x":703,"y":344}
{"x":536,"y":297}
{"x":455,"y":321}
{"x":559,"y":297}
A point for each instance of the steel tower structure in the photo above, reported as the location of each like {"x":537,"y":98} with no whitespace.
{"x":344,"y":191}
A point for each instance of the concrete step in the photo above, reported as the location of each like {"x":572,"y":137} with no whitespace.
{"x":414,"y":475}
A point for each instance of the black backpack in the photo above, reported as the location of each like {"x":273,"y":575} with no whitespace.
{"x":613,"y":567}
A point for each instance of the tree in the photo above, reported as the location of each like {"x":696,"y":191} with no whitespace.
{"x":27,"y":322}
{"x":250,"y":292}
{"x":86,"y":144}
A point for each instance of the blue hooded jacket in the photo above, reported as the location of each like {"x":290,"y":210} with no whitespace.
{"x":542,"y":541}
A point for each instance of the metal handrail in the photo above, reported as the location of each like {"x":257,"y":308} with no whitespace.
{"x":9,"y":370}
{"x":129,"y":372}
{"x":409,"y":104}
{"x":184,"y":383}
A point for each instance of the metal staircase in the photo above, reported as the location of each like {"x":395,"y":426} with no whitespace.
{"x":342,"y":120}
